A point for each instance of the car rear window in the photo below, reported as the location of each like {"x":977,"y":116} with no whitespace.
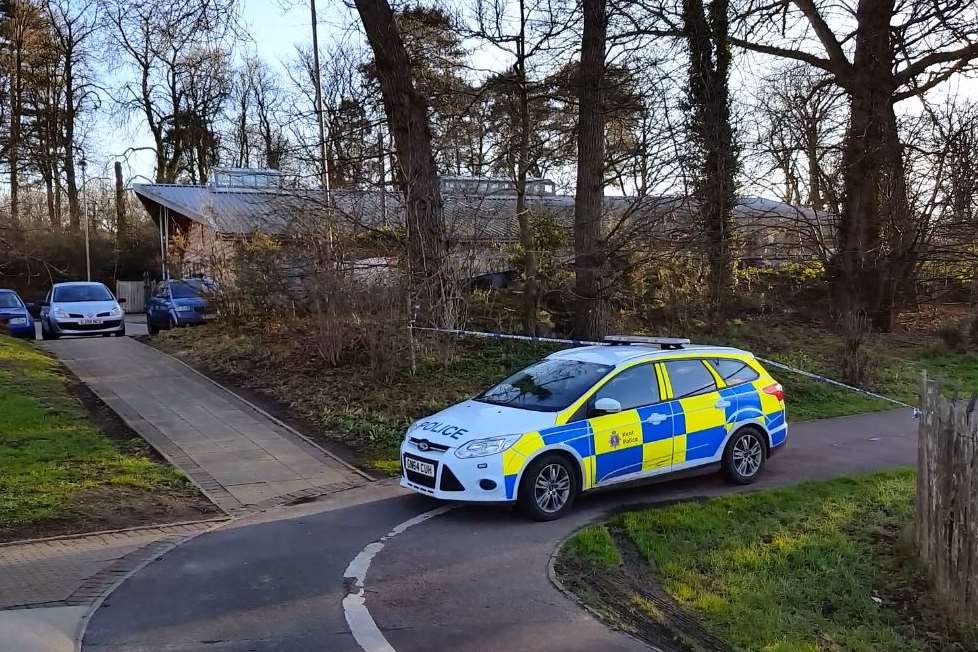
{"x":734,"y":372}
{"x":79,"y":293}
{"x":547,"y":386}
{"x":9,"y":300}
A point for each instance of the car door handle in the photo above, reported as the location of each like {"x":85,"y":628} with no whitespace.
{"x":655,"y":418}
{"x":723,"y":403}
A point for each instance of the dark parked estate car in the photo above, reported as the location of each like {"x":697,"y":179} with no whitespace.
{"x":178,"y":302}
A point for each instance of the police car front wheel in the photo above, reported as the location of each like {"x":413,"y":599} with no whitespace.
{"x":548,"y":488}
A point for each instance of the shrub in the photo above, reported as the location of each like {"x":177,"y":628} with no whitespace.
{"x":954,"y":336}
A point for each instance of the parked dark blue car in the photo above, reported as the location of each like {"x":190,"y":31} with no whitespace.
{"x":15,"y":318}
{"x":178,"y":302}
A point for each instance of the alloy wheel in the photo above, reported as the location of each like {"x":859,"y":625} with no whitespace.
{"x":747,"y":455}
{"x":552,"y":488}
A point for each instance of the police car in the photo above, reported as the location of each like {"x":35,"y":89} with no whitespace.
{"x":595,"y":416}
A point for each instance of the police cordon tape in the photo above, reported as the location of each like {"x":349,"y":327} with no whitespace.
{"x":554,"y":340}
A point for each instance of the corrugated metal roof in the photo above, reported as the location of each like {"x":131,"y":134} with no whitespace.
{"x":467,"y":217}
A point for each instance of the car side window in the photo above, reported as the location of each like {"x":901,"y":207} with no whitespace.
{"x":690,"y":378}
{"x":734,"y":372}
{"x":633,"y":387}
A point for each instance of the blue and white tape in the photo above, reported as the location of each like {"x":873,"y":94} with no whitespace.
{"x":554,"y":340}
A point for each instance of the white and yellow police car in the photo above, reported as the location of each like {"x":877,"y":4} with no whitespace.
{"x":593,"y":416}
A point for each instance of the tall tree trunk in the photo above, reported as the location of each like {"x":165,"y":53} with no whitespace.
{"x":407,"y":116}
{"x":868,"y":273}
{"x":530,"y":285}
{"x":121,"y":224}
{"x":53,"y":218}
{"x":714,"y":192}
{"x":815,"y":200}
{"x":71,"y":188}
{"x":589,"y":320}
{"x":13,"y":152}
{"x":57,"y":192}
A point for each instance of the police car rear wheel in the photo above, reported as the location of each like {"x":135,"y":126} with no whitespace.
{"x":548,"y":488}
{"x":744,"y":457}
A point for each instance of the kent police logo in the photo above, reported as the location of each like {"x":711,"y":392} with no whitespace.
{"x":614,"y":440}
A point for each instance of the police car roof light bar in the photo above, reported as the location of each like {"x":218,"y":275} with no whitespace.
{"x":667,"y":343}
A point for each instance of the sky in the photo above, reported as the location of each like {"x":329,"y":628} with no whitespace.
{"x":276,"y":28}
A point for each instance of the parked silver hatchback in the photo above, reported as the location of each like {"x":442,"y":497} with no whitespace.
{"x":81,"y":308}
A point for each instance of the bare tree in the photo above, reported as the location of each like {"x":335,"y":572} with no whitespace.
{"x":802,"y":124}
{"x":706,"y":30}
{"x":75,"y":26}
{"x":880,"y":53}
{"x":407,"y":116}
{"x":588,"y":246}
{"x":21,"y":29}
{"x":163,"y":41}
{"x":536,"y":30}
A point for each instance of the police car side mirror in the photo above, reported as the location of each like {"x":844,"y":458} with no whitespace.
{"x":606,"y":406}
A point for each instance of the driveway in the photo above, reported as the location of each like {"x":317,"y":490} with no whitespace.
{"x":474,"y":578}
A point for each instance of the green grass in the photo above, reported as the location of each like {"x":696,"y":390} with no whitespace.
{"x":595,"y":546}
{"x":50,"y":453}
{"x":788,"y":570}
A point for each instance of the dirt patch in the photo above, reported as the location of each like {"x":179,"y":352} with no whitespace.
{"x":115,"y":507}
{"x":630,"y":599}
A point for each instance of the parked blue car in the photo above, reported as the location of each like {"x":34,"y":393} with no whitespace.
{"x":15,"y":318}
{"x":178,"y":302}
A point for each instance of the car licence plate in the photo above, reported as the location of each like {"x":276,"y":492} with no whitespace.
{"x":424,"y":468}
{"x":89,"y":322}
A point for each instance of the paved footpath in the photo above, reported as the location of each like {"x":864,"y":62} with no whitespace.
{"x":240,"y":458}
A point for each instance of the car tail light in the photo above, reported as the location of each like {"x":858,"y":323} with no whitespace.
{"x":775,"y":390}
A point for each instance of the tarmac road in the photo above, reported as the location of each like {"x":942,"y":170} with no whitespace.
{"x":474,"y":578}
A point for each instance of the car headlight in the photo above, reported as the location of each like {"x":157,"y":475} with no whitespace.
{"x":489,"y":446}
{"x":17,"y":321}
{"x":59,"y":313}
{"x":184,"y":308}
{"x":116,"y":311}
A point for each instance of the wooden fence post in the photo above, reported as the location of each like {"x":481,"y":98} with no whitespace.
{"x":946,"y":518}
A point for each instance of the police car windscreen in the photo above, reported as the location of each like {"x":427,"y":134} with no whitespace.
{"x":548,"y":385}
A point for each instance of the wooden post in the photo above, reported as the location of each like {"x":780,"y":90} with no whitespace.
{"x":946,"y":518}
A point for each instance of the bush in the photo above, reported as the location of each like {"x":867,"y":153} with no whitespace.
{"x":955,"y":336}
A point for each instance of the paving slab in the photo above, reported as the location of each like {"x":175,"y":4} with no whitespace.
{"x":53,"y":629}
{"x":239,"y":457}
{"x":73,"y":570}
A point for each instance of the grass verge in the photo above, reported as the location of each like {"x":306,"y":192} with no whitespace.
{"x":821,"y":566}
{"x":64,"y":473}
{"x":369,"y":414}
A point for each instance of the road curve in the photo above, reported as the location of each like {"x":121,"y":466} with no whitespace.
{"x":472,"y":579}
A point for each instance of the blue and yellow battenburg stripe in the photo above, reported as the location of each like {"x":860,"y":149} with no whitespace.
{"x":633,"y":441}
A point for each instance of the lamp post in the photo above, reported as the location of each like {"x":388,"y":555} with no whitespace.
{"x":88,"y":258}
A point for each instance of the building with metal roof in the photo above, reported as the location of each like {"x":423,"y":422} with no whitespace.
{"x":479,"y":212}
